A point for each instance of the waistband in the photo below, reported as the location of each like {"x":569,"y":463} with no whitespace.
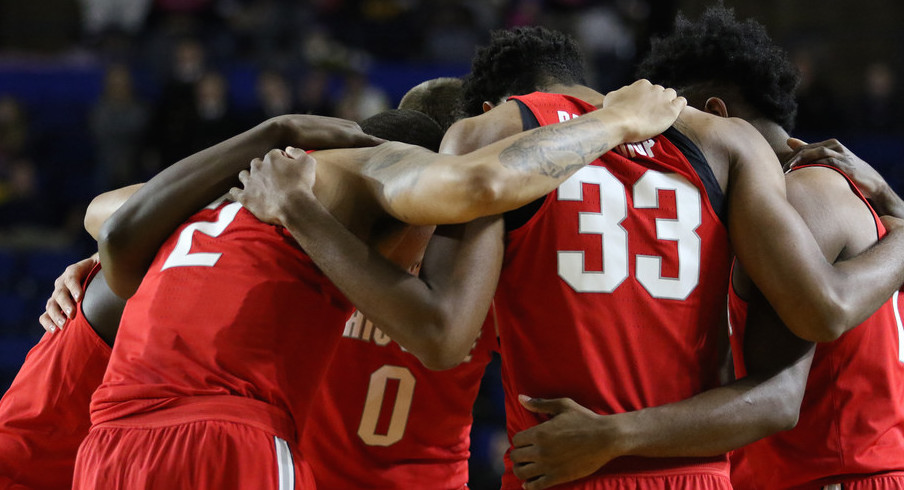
{"x":845,"y":482}
{"x":225,"y":408}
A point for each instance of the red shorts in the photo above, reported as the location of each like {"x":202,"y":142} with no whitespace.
{"x":886,"y":481}
{"x":192,"y":446}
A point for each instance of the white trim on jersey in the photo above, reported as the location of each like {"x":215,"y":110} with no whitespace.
{"x":894,"y":306}
{"x":285,"y":466}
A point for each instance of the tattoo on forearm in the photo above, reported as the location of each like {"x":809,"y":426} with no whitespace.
{"x":557,"y":150}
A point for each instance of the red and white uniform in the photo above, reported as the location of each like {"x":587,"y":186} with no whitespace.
{"x":613,"y":294}
{"x":217,"y":359}
{"x":851,"y":426}
{"x":44,"y":414}
{"x":383,"y":420}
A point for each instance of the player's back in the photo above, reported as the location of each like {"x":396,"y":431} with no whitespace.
{"x":383,"y":420}
{"x":852,"y":415}
{"x":230,"y":307}
{"x":613,"y":291}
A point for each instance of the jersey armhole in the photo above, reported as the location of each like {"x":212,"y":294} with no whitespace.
{"x":517,"y":218}
{"x":701,"y":167}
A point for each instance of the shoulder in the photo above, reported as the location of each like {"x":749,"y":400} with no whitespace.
{"x":832,"y":210}
{"x":476,"y":132}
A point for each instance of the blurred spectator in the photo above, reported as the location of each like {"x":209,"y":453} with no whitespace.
{"x":818,"y":110}
{"x":314,"y":94}
{"x":880,"y":105}
{"x":21,"y":203}
{"x":274,"y":97}
{"x":118,"y":124}
{"x":452,"y":33}
{"x":175,"y":108}
{"x":608,"y":42}
{"x":101,"y":16}
{"x":359,"y":99}
{"x":214,"y":119}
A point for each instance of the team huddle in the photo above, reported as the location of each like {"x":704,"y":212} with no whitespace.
{"x":323,"y":317}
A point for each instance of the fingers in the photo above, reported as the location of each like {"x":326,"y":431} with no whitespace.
{"x":236,"y":194}
{"x":526,"y":471}
{"x":540,"y":405}
{"x":47,"y":323}
{"x":54,"y":315}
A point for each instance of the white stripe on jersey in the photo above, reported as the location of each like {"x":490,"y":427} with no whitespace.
{"x":284,"y":463}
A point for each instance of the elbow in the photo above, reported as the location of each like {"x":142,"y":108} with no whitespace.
{"x":483,"y":189}
{"x":831,"y":318}
{"x":440,"y":350}
{"x":112,"y":245}
{"x":788,"y":414}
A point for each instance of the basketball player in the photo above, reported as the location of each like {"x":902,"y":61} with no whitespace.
{"x":550,"y":314}
{"x":402,"y":423}
{"x":130,"y":237}
{"x":851,"y":428}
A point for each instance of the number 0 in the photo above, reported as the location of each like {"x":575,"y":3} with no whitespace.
{"x":376,"y":392}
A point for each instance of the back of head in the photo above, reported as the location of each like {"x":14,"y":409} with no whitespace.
{"x":520,"y":61}
{"x":719,"y":55}
{"x":406,"y":126}
{"x":438,"y":98}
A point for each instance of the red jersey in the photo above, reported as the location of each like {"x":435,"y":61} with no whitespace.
{"x":230,"y":306}
{"x":852,"y":416}
{"x":44,"y":414}
{"x":401,"y":424}
{"x":604,"y":296}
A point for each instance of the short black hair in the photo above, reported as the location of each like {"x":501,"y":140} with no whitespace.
{"x":438,"y":98}
{"x":406,"y":126}
{"x":520,"y":61}
{"x":720,"y":51}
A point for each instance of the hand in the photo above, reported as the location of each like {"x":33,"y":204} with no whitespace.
{"x":321,"y":132}
{"x":647,"y":109}
{"x":67,"y":290}
{"x":573,"y":443}
{"x":274,"y":182}
{"x":834,"y":154}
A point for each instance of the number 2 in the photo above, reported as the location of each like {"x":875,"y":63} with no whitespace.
{"x":181,"y":256}
{"x":607,"y":223}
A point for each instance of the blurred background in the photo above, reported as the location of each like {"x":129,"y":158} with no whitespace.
{"x":96,"y":94}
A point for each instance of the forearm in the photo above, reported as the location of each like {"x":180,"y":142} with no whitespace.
{"x":716,"y":421}
{"x":130,"y":238}
{"x":505,"y":175}
{"x":430,"y":320}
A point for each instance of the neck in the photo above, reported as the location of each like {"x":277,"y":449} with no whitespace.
{"x":775,"y":135}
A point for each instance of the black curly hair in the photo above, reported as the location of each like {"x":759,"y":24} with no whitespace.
{"x":719,"y":55}
{"x":520,"y":61}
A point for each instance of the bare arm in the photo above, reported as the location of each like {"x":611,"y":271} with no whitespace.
{"x":437,"y":315}
{"x":130,"y":238}
{"x":815,"y":299}
{"x":576,"y":442}
{"x":104,"y":205}
{"x":425,"y":189}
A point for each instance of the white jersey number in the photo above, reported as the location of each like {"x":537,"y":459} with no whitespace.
{"x":181,"y":255}
{"x":614,"y":237}
{"x":373,"y":405}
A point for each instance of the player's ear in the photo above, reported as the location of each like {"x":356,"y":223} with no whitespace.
{"x":715,"y":105}
{"x":487,"y":105}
